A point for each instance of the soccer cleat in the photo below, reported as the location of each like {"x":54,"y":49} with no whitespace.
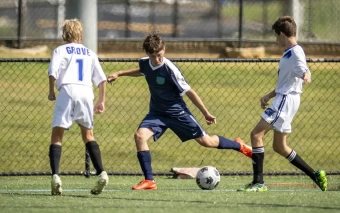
{"x":256,"y":187}
{"x":145,"y":185}
{"x":245,"y":149}
{"x":56,"y":185}
{"x":321,"y":179}
{"x":101,"y":182}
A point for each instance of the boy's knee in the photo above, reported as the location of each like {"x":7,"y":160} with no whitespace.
{"x":139,"y":138}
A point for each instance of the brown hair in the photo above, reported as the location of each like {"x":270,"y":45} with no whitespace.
{"x":72,"y":30}
{"x":153,"y":43}
{"x":286,"y":25}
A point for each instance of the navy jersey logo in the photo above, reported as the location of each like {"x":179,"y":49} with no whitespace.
{"x":269,"y":111}
{"x":160,"y":80}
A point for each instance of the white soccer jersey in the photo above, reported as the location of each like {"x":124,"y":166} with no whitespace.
{"x":73,"y":63}
{"x":292,"y":65}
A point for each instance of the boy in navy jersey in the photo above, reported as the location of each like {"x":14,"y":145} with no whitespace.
{"x":293,"y":72}
{"x":168,"y":109}
{"x":74,"y":68}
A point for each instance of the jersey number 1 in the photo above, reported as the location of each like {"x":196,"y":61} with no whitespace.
{"x":80,"y":69}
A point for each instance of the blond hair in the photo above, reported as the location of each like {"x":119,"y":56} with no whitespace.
{"x":72,"y":30}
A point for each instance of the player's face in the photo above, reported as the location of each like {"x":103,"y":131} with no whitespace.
{"x":280,"y":39}
{"x":156,"y":57}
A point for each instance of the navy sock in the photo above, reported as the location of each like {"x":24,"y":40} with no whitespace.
{"x":298,"y":162}
{"x":144,"y":158}
{"x":228,"y":144}
{"x":95,"y":155}
{"x":55,"y":155}
{"x":258,"y":157}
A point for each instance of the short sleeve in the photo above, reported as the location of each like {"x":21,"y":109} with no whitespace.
{"x":299,"y":64}
{"x":178,"y":79}
{"x":98,"y":75}
{"x":53,"y":69}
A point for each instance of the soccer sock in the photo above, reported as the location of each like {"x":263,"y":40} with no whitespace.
{"x":298,"y":162}
{"x":55,"y":155}
{"x":144,"y":158}
{"x":95,"y":155}
{"x":228,"y":144}
{"x":258,"y":157}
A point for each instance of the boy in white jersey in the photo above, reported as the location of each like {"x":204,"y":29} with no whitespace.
{"x":74,"y":67}
{"x":168,"y":109}
{"x":292,"y":73}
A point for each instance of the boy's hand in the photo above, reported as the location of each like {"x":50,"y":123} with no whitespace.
{"x":307,"y":77}
{"x":210,"y":119}
{"x":112,"y":77}
{"x":99,"y":108}
{"x":51,"y":96}
{"x":264,"y":101}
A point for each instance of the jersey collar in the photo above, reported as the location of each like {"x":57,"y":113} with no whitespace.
{"x":290,"y":47}
{"x":158,"y":66}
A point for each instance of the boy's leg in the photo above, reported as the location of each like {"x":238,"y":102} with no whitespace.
{"x":257,"y":185}
{"x":95,"y":155}
{"x":144,"y":157}
{"x":280,"y":146}
{"x":93,"y":148}
{"x":221,"y":142}
{"x":55,"y":156}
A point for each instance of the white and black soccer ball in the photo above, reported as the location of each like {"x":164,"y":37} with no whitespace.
{"x":208,"y":178}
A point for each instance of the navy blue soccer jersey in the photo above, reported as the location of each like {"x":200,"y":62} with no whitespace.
{"x":167,"y":86}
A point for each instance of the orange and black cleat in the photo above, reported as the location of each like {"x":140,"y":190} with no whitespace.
{"x":245,"y":149}
{"x":145,"y":185}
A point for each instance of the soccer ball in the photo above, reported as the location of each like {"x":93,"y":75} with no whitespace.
{"x":208,"y":178}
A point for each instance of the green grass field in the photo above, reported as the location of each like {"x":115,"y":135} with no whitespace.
{"x":230,"y":91}
{"x":287,"y":194}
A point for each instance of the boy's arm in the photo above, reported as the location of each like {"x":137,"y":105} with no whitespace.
{"x":53,"y":73}
{"x":131,"y":72}
{"x":193,"y":96}
{"x":51,"y":94}
{"x":100,"y":106}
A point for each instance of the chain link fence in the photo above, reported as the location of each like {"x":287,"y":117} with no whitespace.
{"x":230,"y":89}
{"x":185,"y":19}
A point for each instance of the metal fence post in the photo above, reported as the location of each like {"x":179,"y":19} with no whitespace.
{"x":175,"y":19}
{"x":127,"y":19}
{"x":219,"y":18}
{"x":240,"y":25}
{"x":19,"y":33}
{"x":87,"y":172}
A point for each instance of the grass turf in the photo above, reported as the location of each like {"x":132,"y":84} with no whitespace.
{"x":286,"y":194}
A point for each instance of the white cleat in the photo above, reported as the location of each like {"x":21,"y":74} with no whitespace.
{"x":56,"y":185}
{"x":101,"y":182}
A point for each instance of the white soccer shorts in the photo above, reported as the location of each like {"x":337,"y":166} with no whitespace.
{"x":282,"y":111}
{"x":74,"y":103}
